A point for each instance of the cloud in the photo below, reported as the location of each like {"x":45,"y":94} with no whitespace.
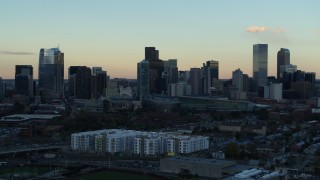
{"x":16,"y":53}
{"x":258,"y":29}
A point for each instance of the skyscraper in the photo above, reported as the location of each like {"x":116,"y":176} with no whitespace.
{"x":283,"y":58}
{"x":237,"y":79}
{"x":143,"y":70}
{"x":80,"y":82}
{"x":51,"y":70}
{"x":98,"y":82}
{"x":195,"y":81}
{"x":260,"y":64}
{"x":151,"y":53}
{"x":214,"y":69}
{"x":24,"y":80}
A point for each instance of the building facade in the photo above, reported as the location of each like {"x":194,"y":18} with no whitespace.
{"x":51,"y":70}
{"x":283,"y":58}
{"x":237,"y":79}
{"x":260,"y":64}
{"x":137,"y":142}
{"x":80,"y":82}
{"x":24,"y":80}
{"x":143,"y":79}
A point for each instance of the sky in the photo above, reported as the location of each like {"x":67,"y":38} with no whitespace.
{"x":112,"y":34}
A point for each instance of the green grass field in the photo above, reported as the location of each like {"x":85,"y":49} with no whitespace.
{"x":22,"y":171}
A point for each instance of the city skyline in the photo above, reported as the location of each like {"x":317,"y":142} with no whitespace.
{"x":112,"y":35}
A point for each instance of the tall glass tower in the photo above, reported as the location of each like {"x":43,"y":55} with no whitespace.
{"x":143,"y":78}
{"x":283,"y":58}
{"x":51,"y":70}
{"x":260,"y":64}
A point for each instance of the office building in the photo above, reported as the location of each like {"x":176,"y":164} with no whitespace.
{"x":310,"y":77}
{"x":276,"y":91}
{"x":237,"y":79}
{"x":143,"y":79}
{"x":171,"y":70}
{"x":24,"y":80}
{"x":283,"y":58}
{"x":51,"y":70}
{"x":195,"y":81}
{"x":288,"y":68}
{"x":260,"y":64}
{"x":80,"y":82}
{"x":151,"y":53}
{"x":214,"y":69}
{"x":112,"y":89}
{"x":98,"y":82}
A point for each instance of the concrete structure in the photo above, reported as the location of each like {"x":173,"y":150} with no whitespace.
{"x":112,"y":89}
{"x":180,"y":89}
{"x":125,"y":92}
{"x":209,"y":168}
{"x":260,"y":64}
{"x":276,"y":91}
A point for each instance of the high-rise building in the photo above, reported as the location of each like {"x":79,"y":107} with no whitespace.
{"x":80,"y":82}
{"x":171,"y":68}
{"x":283,"y":58}
{"x":170,"y":73}
{"x":143,"y":78}
{"x":151,"y":53}
{"x":51,"y":70}
{"x":237,"y":79}
{"x":195,"y":81}
{"x":24,"y":80}
{"x":98,"y":82}
{"x":310,"y":77}
{"x":214,"y":69}
{"x":260,"y":64}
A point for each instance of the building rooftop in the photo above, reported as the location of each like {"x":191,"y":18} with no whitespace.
{"x":213,"y":162}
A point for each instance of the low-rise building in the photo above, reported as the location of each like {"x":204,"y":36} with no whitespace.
{"x":230,"y":126}
{"x":210,"y":168}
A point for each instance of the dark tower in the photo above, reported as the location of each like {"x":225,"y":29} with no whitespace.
{"x":283,"y":58}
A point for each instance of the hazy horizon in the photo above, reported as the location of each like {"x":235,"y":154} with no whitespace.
{"x":113,"y":34}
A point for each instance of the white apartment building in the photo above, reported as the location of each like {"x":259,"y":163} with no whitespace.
{"x":186,"y":144}
{"x":137,"y":142}
{"x":150,"y":144}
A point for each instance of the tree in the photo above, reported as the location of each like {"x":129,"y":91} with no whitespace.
{"x":232,"y":150}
